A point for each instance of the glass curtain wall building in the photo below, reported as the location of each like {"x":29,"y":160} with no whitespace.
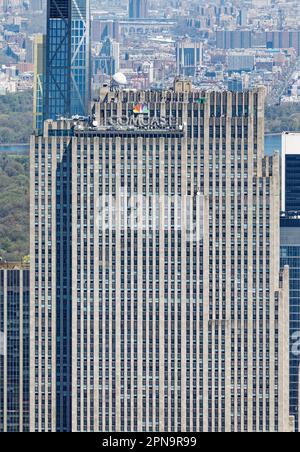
{"x":290,"y":254}
{"x":67,"y":58}
{"x":290,"y":173}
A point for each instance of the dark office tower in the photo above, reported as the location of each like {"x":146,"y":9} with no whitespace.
{"x":67,"y":94}
{"x":290,"y":190}
{"x":138,"y":9}
{"x":68,"y":58}
{"x":159,"y":235}
{"x":290,"y":254}
{"x":14,"y":348}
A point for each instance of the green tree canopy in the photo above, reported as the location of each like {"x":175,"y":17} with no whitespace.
{"x":16,"y":117}
{"x":14,"y":206}
{"x":281,"y":118}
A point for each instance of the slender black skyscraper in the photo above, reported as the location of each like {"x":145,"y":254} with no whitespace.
{"x":68,"y":58}
{"x":66,"y":94}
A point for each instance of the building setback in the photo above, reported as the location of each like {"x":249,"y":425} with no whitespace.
{"x":39,"y":82}
{"x":156,"y":294}
{"x":14,"y":348}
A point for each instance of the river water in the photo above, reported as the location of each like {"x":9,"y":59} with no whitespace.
{"x":272,"y":144}
{"x":14,"y":148}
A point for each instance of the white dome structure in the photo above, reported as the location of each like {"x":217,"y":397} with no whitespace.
{"x":119,"y":79}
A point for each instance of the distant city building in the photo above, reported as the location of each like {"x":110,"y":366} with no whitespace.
{"x":148,"y":69}
{"x":155,"y":276}
{"x":235,"y":39}
{"x":240,"y":62}
{"x":67,"y":58}
{"x":138,"y":9}
{"x":247,"y":39}
{"x":39,"y":82}
{"x":108,"y":62}
{"x":188,"y":57}
{"x":261,"y":3}
{"x":38,"y":5}
{"x":236,"y":84}
{"x":284,"y":40}
{"x":105,"y":28}
{"x":243,"y":16}
{"x":29,"y":47}
{"x":116,"y":29}
{"x":290,"y":178}
{"x":14,"y":348}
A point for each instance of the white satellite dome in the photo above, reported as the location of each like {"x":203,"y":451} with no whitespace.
{"x":120,"y":79}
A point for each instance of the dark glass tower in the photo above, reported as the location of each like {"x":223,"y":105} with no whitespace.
{"x":292,"y":182}
{"x":68,"y":58}
{"x":290,"y":254}
{"x":67,"y":94}
{"x":290,"y":168}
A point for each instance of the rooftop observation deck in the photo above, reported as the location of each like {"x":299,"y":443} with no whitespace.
{"x":129,"y":132}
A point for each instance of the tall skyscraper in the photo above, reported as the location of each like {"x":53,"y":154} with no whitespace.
{"x":156,"y":294}
{"x":14,"y":348}
{"x":138,"y":9}
{"x":188,"y":57}
{"x":290,"y":255}
{"x":67,"y":58}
